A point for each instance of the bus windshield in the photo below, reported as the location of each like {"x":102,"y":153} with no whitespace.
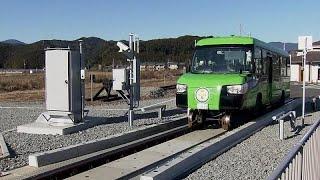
{"x":221,"y":60}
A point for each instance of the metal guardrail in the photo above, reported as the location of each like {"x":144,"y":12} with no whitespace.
{"x":303,"y":161}
{"x":18,"y":71}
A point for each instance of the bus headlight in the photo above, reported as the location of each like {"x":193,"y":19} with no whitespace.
{"x":237,"y":89}
{"x":181,"y":88}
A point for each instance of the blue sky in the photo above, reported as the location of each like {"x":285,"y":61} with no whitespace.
{"x":271,"y":20}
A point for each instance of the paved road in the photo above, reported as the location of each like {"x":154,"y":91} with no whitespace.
{"x":311,"y":90}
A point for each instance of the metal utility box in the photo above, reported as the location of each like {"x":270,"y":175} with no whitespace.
{"x":120,"y":79}
{"x":63,"y":82}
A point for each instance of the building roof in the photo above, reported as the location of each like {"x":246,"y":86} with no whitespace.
{"x":316,"y":43}
{"x":312,"y":57}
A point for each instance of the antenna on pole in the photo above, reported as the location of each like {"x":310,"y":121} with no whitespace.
{"x":240,"y":29}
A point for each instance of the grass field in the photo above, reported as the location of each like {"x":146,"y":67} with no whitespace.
{"x":29,"y":87}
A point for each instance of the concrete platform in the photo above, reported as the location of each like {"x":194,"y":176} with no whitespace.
{"x":46,"y":128}
{"x":54,"y":123}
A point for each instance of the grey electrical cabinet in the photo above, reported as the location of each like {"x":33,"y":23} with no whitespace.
{"x":63,"y":82}
{"x":119,"y":79}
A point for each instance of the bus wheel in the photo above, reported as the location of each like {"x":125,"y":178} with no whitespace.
{"x":226,"y":122}
{"x":282,"y":99}
{"x":191,"y":117}
{"x":258,"y":109}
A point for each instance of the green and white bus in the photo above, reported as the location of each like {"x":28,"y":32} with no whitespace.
{"x":233,"y":74}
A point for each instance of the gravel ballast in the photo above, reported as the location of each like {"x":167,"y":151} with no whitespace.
{"x":256,"y":157}
{"x":21,"y":144}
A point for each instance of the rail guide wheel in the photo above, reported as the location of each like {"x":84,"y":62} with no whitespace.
{"x":195,"y":117}
{"x":225,"y":122}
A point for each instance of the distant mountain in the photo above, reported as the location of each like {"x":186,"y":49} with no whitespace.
{"x":98,"y":51}
{"x":289,"y":46}
{"x":13,"y":42}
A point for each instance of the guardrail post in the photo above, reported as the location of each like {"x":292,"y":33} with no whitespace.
{"x":130,"y":117}
{"x":314,"y":104}
{"x":293,"y":120}
{"x":160,"y":113}
{"x":281,"y":129}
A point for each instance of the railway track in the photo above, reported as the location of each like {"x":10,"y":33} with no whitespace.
{"x":169,"y":87}
{"x":141,"y":156}
{"x":175,"y":158}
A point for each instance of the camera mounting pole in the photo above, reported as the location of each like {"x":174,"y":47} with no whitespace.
{"x":134,"y":73}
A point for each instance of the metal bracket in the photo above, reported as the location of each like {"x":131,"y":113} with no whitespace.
{"x":280,"y":118}
{"x":46,"y":117}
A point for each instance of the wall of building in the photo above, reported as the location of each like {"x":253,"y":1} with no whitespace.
{"x":311,"y":77}
{"x":314,"y":74}
{"x":306,"y":73}
{"x":295,"y":72}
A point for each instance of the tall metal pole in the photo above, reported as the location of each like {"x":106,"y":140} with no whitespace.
{"x":82,"y":81}
{"x":304,"y":81}
{"x":290,"y":57}
{"x":131,"y":112}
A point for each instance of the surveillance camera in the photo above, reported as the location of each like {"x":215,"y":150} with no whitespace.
{"x":123,"y":47}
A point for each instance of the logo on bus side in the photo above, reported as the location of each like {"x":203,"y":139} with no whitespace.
{"x":202,"y":94}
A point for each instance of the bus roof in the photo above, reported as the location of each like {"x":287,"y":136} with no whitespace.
{"x":239,"y":40}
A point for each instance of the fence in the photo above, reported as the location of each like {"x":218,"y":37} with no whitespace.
{"x":303,"y":161}
{"x":19,"y":71}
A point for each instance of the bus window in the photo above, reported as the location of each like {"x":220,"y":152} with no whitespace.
{"x":257,"y":60}
{"x":283,"y":65}
{"x":275,"y":66}
{"x":288,"y":67}
{"x":265,"y":62}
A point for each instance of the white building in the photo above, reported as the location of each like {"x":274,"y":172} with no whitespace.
{"x":312,"y":67}
{"x":173,"y":66}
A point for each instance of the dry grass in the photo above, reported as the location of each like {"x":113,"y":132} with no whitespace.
{"x":22,"y":96}
{"x":30,"y":87}
{"x":21,"y":82}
